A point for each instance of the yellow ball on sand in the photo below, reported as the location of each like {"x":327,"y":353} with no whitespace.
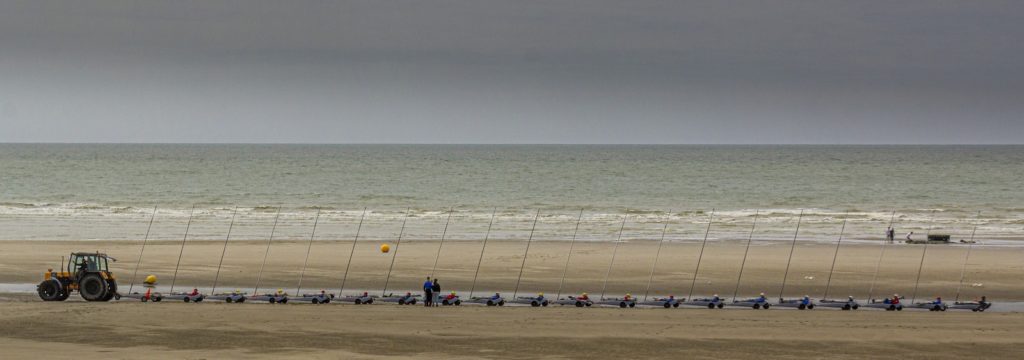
{"x":385,"y":248}
{"x":151,"y":279}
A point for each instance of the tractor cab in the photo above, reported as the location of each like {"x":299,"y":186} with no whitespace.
{"x":89,"y":263}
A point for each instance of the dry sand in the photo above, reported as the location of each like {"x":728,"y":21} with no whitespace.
{"x":210,"y":330}
{"x":216,"y":330}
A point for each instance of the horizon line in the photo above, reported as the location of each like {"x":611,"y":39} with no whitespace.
{"x":495,"y":144}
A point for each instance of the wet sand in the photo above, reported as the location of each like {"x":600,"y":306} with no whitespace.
{"x":216,"y":330}
{"x":29,"y":327}
{"x":991,"y":271}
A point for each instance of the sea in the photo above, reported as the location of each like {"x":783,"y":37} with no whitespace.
{"x":51,"y":192}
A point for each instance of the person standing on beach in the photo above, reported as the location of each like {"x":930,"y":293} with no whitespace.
{"x":436,"y":288}
{"x":890,"y":234}
{"x":428,"y":293}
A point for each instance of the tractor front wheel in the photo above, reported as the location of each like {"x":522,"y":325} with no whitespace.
{"x":49,"y":290}
{"x":64,"y":294}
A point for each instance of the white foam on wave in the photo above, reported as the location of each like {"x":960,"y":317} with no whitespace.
{"x":82,"y":221}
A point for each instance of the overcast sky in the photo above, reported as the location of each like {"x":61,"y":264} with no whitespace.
{"x":478,"y":71}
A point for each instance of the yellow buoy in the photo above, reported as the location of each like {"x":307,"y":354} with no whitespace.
{"x":385,"y":248}
{"x":150,"y":280}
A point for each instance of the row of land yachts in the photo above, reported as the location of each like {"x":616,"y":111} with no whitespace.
{"x":89,"y":275}
{"x":894,"y":303}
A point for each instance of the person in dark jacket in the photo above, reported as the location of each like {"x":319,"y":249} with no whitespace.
{"x":436,"y":288}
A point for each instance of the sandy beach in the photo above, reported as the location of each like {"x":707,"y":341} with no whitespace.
{"x":195,"y":331}
{"x":991,"y":271}
{"x":217,"y":330}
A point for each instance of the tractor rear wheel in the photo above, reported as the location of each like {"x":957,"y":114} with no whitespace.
{"x":93,"y":288}
{"x":111,"y":291}
{"x":49,"y":290}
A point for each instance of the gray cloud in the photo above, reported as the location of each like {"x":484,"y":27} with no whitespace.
{"x":591,"y":71}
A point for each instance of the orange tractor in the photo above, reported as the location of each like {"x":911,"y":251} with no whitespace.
{"x":87,"y":273}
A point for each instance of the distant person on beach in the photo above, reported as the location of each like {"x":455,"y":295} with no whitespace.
{"x":428,"y":293}
{"x":890,"y":234}
{"x":436,"y":288}
{"x":909,"y":234}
